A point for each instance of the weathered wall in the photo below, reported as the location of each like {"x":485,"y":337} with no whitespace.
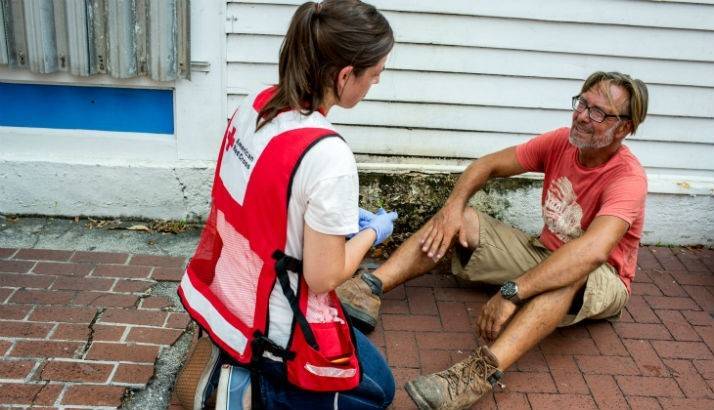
{"x":166,"y":192}
{"x":417,"y":196}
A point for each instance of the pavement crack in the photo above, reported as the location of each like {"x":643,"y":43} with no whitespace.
{"x":163,"y":251}
{"x":157,"y":393}
{"x":65,"y":232}
{"x":90,"y":337}
{"x":38,"y":233}
{"x":182,"y":186}
{"x":37,"y":393}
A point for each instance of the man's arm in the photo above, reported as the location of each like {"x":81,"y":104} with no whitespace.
{"x":447,"y":222}
{"x":575,"y":259}
{"x":567,"y":265}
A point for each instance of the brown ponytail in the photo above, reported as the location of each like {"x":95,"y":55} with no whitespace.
{"x":322,"y":39}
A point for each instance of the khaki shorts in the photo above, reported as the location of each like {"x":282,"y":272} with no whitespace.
{"x":505,"y":253}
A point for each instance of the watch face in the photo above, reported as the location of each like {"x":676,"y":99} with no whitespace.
{"x":508,"y":290}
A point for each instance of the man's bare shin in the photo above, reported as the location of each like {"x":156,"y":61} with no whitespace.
{"x":409,"y":261}
{"x":532,"y":323}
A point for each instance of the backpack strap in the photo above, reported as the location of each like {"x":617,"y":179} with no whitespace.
{"x":283,"y":263}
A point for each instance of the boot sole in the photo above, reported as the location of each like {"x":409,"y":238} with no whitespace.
{"x":197,"y":394}
{"x":416,"y":397}
{"x":362,"y":321}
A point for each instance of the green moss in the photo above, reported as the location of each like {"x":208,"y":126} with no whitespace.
{"x":417,"y":197}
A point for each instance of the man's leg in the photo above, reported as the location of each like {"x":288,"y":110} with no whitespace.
{"x":466,"y":382}
{"x":361,"y":295}
{"x":532,"y":323}
{"x":409,"y":261}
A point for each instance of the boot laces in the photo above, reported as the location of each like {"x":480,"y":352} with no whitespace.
{"x":468,"y":374}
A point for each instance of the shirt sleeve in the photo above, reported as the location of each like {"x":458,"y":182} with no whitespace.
{"x":332,"y":205}
{"x":533,"y":154}
{"x":624,"y":198}
{"x":331,"y":188}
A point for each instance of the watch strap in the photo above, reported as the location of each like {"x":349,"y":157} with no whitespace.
{"x":516,"y":299}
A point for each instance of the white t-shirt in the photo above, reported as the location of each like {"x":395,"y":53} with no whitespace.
{"x":325,"y":191}
{"x":325,"y":196}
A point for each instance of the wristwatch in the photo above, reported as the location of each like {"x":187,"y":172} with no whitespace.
{"x":509,"y":291}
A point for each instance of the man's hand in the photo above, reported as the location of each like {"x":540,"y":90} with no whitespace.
{"x":440,"y":231}
{"x":494,"y":315}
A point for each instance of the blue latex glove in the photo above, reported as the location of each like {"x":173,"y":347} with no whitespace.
{"x":365,"y":217}
{"x":382,"y":224}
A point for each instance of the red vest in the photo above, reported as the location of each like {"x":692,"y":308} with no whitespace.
{"x":240,"y":259}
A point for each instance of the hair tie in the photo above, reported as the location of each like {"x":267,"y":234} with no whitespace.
{"x":318,"y":6}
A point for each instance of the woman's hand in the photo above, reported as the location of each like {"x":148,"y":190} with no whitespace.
{"x":383,"y":224}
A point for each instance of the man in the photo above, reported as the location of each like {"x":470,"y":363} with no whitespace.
{"x":580,"y":267}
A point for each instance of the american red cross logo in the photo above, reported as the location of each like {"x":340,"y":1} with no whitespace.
{"x":231,"y":138}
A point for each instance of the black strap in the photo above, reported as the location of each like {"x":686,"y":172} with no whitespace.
{"x":260,"y":345}
{"x":283,"y":263}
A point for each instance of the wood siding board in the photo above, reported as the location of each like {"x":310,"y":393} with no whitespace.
{"x":460,"y":144}
{"x":500,"y":119}
{"x":464,"y":144}
{"x":506,"y":33}
{"x":504,"y":91}
{"x":628,"y":13}
{"x":264,"y":49}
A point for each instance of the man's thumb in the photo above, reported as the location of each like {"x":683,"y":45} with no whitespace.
{"x":462,"y":238}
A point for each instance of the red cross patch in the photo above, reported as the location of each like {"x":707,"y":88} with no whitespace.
{"x":231,"y":138}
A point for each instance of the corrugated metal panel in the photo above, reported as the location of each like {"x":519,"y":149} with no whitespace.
{"x":78,"y":56}
{"x":121,"y":38}
{"x":162,"y":42}
{"x":4,"y":58}
{"x":40,"y":34}
{"x":16,"y":34}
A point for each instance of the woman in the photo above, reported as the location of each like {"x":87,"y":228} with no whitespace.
{"x":262,"y":281}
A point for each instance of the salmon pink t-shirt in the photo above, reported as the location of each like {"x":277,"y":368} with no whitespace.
{"x":574,"y":195}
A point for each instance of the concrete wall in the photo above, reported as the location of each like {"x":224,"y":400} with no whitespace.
{"x":167,"y":192}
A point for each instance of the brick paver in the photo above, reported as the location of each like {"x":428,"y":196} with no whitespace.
{"x":77,"y":329}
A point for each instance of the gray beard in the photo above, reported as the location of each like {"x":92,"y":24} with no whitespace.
{"x":606,"y":139}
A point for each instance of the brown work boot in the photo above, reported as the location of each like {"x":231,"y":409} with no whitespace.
{"x":199,"y":375}
{"x":360,"y":296}
{"x":459,"y":386}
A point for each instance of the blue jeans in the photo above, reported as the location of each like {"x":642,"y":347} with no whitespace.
{"x":375,"y":391}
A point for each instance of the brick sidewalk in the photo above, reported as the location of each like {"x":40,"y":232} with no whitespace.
{"x":79,"y":328}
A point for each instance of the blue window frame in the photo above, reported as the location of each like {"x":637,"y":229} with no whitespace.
{"x":86,"y":108}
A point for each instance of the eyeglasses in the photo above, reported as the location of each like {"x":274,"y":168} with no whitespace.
{"x":595,"y":114}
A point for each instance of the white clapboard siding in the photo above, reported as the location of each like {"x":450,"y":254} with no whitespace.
{"x":477,"y":89}
{"x":477,"y":31}
{"x":468,"y":77}
{"x":372,"y":140}
{"x":500,"y":119}
{"x":620,"y":12}
{"x":252,"y":48}
{"x":367,"y":135}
